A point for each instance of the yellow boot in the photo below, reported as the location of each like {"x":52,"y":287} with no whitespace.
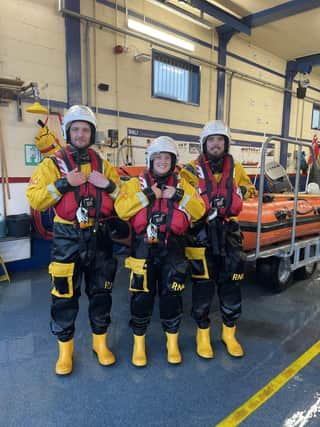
{"x":204,"y":348}
{"x":100,"y":347}
{"x":64,"y":362}
{"x":174,"y":355}
{"x":139,"y":357}
{"x":229,"y":338}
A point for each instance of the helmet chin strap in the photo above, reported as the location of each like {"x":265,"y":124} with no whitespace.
{"x":161,"y":180}
{"x":81,"y":156}
{"x":157,"y":176}
{"x":80,"y":150}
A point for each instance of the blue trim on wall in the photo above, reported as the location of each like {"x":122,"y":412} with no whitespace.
{"x":146,"y":118}
{"x":158,"y":119}
{"x":105,"y":111}
{"x":73,"y":54}
{"x":262,"y":67}
{"x":147,"y":133}
{"x":251,"y":132}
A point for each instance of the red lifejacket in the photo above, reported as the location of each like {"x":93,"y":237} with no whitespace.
{"x":175,"y":220}
{"x":67,"y":206}
{"x":225,"y":189}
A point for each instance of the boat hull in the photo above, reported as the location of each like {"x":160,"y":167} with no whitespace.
{"x":277,"y":219}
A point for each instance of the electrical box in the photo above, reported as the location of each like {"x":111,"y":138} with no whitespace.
{"x":100,"y":137}
{"x":113,"y":135}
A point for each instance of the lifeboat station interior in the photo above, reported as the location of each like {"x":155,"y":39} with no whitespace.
{"x":149,"y":68}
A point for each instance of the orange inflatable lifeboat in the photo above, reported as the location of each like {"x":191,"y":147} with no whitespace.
{"x":277,"y":218}
{"x":130,"y":171}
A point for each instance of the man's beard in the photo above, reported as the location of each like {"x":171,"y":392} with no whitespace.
{"x":216,"y":162}
{"x":214,"y":157}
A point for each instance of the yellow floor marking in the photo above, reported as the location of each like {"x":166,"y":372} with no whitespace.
{"x":240,"y":414}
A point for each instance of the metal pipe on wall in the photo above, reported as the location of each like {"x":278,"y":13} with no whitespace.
{"x":229,"y":90}
{"x":88,"y":64}
{"x":104,"y":25}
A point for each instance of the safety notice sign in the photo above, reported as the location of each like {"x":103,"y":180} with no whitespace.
{"x":32,"y":155}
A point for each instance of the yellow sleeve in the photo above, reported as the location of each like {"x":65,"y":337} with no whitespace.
{"x":242,"y":180}
{"x":111,"y":173}
{"x":190,"y":174}
{"x":191,"y":201}
{"x":41,"y":191}
{"x":130,"y":200}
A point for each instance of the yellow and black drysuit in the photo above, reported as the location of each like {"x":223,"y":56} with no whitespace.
{"x":157,"y":263}
{"x":215,"y":242}
{"x":243,"y":181}
{"x":75,"y":250}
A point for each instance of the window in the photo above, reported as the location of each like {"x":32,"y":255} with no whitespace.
{"x":175,"y":79}
{"x":315,"y":117}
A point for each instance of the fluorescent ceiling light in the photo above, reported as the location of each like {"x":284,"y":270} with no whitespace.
{"x":183,"y":14}
{"x":159,"y":35}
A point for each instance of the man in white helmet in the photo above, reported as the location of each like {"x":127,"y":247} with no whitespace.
{"x":216,"y":241}
{"x":160,"y":207}
{"x":81,"y":187}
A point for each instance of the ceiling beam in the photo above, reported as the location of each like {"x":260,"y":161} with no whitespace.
{"x":285,"y":10}
{"x":221,"y":15}
{"x":304,"y":64}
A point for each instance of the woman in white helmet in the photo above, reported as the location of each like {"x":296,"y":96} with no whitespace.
{"x":160,"y":207}
{"x":216,"y":241}
{"x":81,"y":187}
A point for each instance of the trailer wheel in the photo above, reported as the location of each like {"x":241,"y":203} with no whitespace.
{"x":274,"y":273}
{"x":305,"y":272}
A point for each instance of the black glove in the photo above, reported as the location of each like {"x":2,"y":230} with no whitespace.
{"x":178,"y":195}
{"x":243,"y":190}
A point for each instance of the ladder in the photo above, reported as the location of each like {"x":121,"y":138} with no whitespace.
{"x":5,"y":276}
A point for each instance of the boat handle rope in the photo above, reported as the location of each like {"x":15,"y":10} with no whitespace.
{"x":288,"y":213}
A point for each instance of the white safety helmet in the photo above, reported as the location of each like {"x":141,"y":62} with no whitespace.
{"x":78,"y":113}
{"x":215,"y":127}
{"x":162,"y":144}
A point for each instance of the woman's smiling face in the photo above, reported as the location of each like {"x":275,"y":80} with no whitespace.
{"x":161,"y":163}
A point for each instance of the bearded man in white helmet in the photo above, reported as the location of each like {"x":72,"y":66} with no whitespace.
{"x":81,"y":187}
{"x":160,"y":207}
{"x":216,"y":240}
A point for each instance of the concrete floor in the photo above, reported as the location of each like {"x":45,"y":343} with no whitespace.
{"x":275,"y":329}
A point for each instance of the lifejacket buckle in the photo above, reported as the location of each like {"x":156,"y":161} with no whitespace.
{"x":212,"y":214}
{"x":158,"y":218}
{"x":152,"y":233}
{"x":217,"y":202}
{"x":82,"y":215}
{"x":87,"y":202}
